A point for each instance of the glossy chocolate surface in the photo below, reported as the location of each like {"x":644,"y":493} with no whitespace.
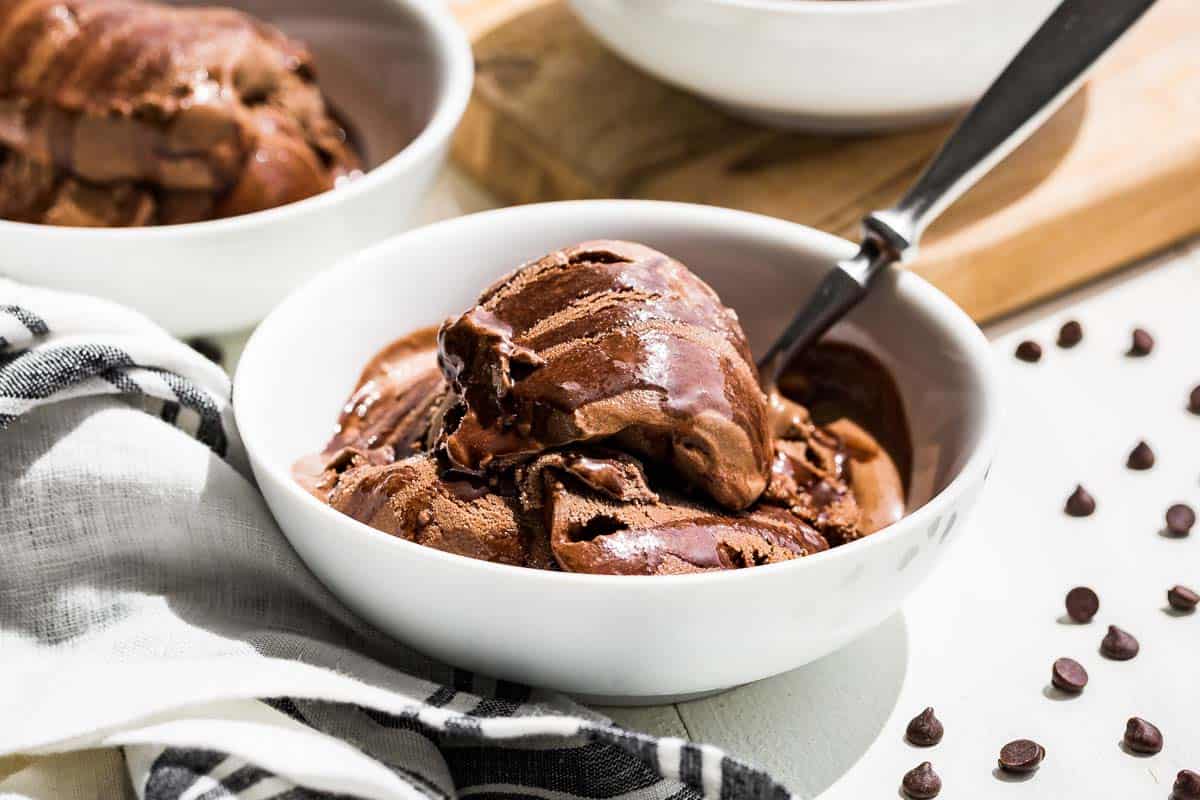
{"x":598,"y":411}
{"x":122,"y":112}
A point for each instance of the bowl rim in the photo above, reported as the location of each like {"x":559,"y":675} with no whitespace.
{"x":456,"y":77}
{"x":915,"y":290}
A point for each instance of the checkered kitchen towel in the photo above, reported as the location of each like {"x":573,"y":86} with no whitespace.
{"x":150,"y":605}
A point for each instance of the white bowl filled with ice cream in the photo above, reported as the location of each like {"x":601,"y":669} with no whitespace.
{"x":640,"y":637}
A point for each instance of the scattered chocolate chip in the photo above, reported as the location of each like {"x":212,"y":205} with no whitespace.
{"x":1180,"y":519}
{"x":1069,"y":675}
{"x":207,"y":348}
{"x":1023,"y":755}
{"x":1182,"y":598}
{"x":1070,"y":334}
{"x":1030,"y":351}
{"x":1194,"y":401}
{"x":1187,"y":786}
{"x":1142,"y":342}
{"x":1142,"y":737}
{"x":1119,"y":645}
{"x":1082,"y":604}
{"x":925,"y":729}
{"x":1141,"y":457}
{"x":921,"y":782}
{"x":1080,"y":503}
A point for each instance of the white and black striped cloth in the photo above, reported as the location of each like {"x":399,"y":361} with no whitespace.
{"x":149,"y":603}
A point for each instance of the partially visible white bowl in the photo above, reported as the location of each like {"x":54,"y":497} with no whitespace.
{"x":625,"y":639}
{"x":400,"y":71}
{"x":822,"y":65}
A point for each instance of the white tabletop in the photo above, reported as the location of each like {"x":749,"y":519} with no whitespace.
{"x":978,"y":639}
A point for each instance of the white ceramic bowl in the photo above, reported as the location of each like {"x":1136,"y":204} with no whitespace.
{"x":400,"y":71}
{"x":617,"y":637}
{"x":829,"y":65}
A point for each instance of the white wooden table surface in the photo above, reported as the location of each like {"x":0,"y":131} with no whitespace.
{"x":977,"y":640}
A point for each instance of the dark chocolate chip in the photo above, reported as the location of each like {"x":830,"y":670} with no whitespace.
{"x":1030,"y":351}
{"x":925,"y":729}
{"x":921,"y":782}
{"x":207,"y":348}
{"x":1080,"y":503}
{"x":1082,"y":604}
{"x":1119,"y":645}
{"x":1182,"y":598}
{"x":1069,"y":675}
{"x":1141,"y":342}
{"x":1187,"y":786}
{"x":1141,"y":457}
{"x":1142,"y":736}
{"x":1023,"y":755}
{"x":1180,"y":519}
{"x":1070,"y":334}
{"x":1194,"y":401}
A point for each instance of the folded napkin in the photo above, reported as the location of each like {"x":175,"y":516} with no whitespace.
{"x":150,"y":606}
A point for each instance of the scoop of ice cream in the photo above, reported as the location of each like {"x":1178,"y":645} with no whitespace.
{"x":589,"y":511}
{"x":608,"y":341}
{"x":568,"y":420}
{"x":415,"y":499}
{"x":127,"y":96}
{"x":634,"y":531}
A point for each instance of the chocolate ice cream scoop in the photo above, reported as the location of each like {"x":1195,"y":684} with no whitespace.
{"x":597,"y":412}
{"x":124,"y":97}
{"x":608,"y":341}
{"x":415,"y":499}
{"x":633,"y":531}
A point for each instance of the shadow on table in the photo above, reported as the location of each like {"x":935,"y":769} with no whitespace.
{"x":809,"y":726}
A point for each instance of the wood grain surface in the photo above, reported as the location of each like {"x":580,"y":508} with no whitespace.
{"x":1115,"y":175}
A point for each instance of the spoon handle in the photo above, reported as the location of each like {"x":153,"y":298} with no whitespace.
{"x":1042,"y":76}
{"x":1047,"y":71}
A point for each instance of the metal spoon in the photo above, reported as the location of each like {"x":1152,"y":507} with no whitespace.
{"x":1047,"y":71}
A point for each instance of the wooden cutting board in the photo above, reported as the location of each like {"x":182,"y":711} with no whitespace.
{"x":1114,"y":176}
